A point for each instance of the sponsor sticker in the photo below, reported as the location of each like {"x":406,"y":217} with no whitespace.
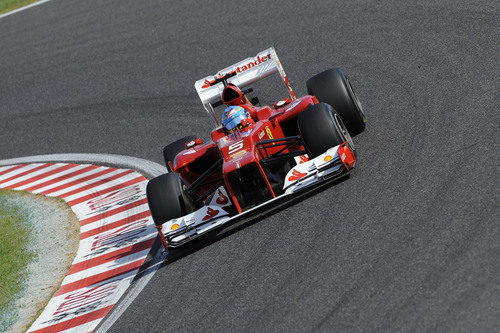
{"x":211,"y":213}
{"x":296,"y":175}
{"x":269,"y":133}
{"x":235,"y":147}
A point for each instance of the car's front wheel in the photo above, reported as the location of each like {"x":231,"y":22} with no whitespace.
{"x":166,"y":198}
{"x":171,"y":150}
{"x":334,"y":88}
{"x":322,"y":128}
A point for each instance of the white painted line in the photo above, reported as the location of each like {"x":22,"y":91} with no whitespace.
{"x":50,"y":177}
{"x":79,"y":180}
{"x":81,"y":328}
{"x":104,"y":267}
{"x":84,"y":183}
{"x":19,"y":171}
{"x":115,"y":182}
{"x":29,"y":176}
{"x":24,"y":8}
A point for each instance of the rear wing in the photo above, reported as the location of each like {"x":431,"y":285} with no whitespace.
{"x":242,"y":74}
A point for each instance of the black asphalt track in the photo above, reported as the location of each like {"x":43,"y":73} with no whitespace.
{"x":409,"y":243}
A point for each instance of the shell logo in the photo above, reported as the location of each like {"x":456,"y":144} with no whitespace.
{"x":269,"y":133}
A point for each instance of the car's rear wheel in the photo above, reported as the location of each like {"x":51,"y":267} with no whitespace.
{"x":166,"y":198}
{"x":171,"y":150}
{"x":322,"y":128}
{"x":334,"y":88}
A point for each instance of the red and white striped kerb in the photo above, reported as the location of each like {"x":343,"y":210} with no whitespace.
{"x":116,"y":234}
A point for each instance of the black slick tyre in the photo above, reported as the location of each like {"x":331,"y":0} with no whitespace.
{"x":171,"y":150}
{"x":165,"y":198}
{"x":322,"y":128}
{"x":334,"y":88}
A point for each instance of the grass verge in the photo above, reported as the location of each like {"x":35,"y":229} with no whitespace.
{"x":49,"y":230}
{"x":14,"y":254}
{"x":8,"y":5}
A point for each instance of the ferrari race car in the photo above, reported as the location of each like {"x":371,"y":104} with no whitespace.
{"x":257,"y":154}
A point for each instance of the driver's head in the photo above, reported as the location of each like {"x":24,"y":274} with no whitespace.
{"x":235,"y":117}
{"x":232,"y":95}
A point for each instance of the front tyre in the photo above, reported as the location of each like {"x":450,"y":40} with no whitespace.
{"x":321,"y":128}
{"x":171,"y":150}
{"x":165,"y":198}
{"x":334,"y":88}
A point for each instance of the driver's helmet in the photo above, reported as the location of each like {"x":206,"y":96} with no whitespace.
{"x":234,"y":117}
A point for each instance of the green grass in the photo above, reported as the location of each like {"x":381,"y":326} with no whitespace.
{"x":8,"y":5}
{"x":14,"y":254}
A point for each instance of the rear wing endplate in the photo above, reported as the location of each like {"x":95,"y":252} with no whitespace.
{"x":243,"y":74}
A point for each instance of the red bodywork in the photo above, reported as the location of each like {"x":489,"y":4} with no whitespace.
{"x":239,"y":151}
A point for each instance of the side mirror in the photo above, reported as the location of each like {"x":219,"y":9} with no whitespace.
{"x":282,"y":103}
{"x":193,"y":143}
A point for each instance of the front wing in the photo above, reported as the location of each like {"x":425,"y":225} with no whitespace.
{"x":336,"y":162}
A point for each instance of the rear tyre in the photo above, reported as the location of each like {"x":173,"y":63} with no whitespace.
{"x":165,"y":198}
{"x":322,"y":128}
{"x":334,"y":88}
{"x":170,"y":151}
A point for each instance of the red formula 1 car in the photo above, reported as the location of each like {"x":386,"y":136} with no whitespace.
{"x":257,"y":155}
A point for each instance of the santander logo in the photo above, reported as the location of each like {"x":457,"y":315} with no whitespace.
{"x":257,"y":61}
{"x":240,"y":69}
